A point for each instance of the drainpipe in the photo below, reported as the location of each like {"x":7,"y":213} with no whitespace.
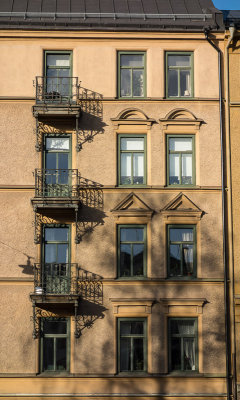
{"x":228,"y":365}
{"x":232,"y":30}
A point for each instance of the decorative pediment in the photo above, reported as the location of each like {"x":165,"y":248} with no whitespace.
{"x":132,"y":206}
{"x":181,"y":207}
{"x":181,"y":116}
{"x":132,"y":116}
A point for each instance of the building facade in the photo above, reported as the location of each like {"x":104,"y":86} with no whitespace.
{"x":112,"y":272}
{"x":232,"y":110}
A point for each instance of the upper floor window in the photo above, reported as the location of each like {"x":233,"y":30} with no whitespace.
{"x":131,"y":250}
{"x":183,"y":344}
{"x":132,"y":160}
{"x":181,"y":158}
{"x":131,"y":74}
{"x":58,"y":75}
{"x":55,"y":335}
{"x":179,"y":74}
{"x":181,"y":251}
{"x":132,"y":344}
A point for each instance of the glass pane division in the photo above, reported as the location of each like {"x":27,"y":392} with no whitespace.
{"x":132,"y":345}
{"x":132,"y":161}
{"x":132,"y":251}
{"x":180,"y":161}
{"x":179,"y":75}
{"x":181,"y":251}
{"x":131,"y":75}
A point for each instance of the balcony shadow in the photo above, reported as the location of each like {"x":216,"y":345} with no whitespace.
{"x":88,"y":313}
{"x":88,"y":219}
{"x":90,"y":193}
{"x":90,"y":126}
{"x":28,"y":267}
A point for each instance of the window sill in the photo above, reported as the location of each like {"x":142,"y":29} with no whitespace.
{"x":181,"y":278}
{"x":144,"y":185}
{"x":132,"y":278}
{"x":133,"y":373}
{"x":54,"y":374}
{"x":184,"y":373}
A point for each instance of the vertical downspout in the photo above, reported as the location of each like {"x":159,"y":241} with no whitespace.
{"x":229,"y":211}
{"x":228,"y":366}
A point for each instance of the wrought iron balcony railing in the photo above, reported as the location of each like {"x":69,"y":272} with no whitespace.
{"x":56,"y":90}
{"x":56,"y":279}
{"x":56,"y":182}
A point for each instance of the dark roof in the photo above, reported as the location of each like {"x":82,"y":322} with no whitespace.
{"x":193,"y":15}
{"x":231,"y":17}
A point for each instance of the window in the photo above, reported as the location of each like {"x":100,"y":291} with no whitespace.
{"x":56,"y":276}
{"x":179,"y":70}
{"x":181,"y":158}
{"x":131,"y":251}
{"x":58,"y":71}
{"x":181,"y":251}
{"x":183,"y":344}
{"x":131,"y":74}
{"x":132,"y":344}
{"x":57,"y":179}
{"x":55,"y":344}
{"x":132,"y":157}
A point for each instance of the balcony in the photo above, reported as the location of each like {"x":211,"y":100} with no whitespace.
{"x":58,"y":188}
{"x":56,"y":95}
{"x":55,"y":283}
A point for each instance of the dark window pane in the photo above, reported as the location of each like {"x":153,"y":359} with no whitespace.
{"x":138,"y":250}
{"x":189,"y":354}
{"x":172,"y":83}
{"x":56,"y":234}
{"x":178,"y":60}
{"x":54,"y":327}
{"x":125,"y":354}
{"x":175,"y":260}
{"x":125,"y":260}
{"x":187,"y":259}
{"x":138,"y":355}
{"x":137,"y":77}
{"x":176,"y":353}
{"x":182,"y":327}
{"x":61,"y":353}
{"x":62,"y":253}
{"x":51,"y":161}
{"x":126,"y":90}
{"x":185,"y":84}
{"x":132,"y":60}
{"x":132,"y":234}
{"x":181,"y":234}
{"x":137,"y":328}
{"x":48,"y":354}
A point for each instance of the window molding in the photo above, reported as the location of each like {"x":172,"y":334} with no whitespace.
{"x":174,"y":306}
{"x":181,"y":120}
{"x":132,"y":116}
{"x":132,"y":206}
{"x":134,"y":307}
{"x":178,"y":69}
{"x":181,"y":210}
{"x":131,"y":243}
{"x":119,"y":68}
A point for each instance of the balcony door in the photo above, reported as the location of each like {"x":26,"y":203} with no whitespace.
{"x":58,"y":73}
{"x":57,"y":166}
{"x":56,"y":254}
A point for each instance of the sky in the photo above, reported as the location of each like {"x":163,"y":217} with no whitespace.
{"x":227,"y":4}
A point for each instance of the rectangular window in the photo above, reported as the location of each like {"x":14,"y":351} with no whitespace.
{"x":58,"y":175}
{"x":181,"y":159}
{"x":183,"y":344}
{"x":132,"y":251}
{"x":56,"y":274}
{"x":131,"y":74}
{"x":58,"y":75}
{"x":132,"y":160}
{"x":132,"y":344}
{"x":181,"y":251}
{"x":54,"y":342}
{"x":179,"y":71}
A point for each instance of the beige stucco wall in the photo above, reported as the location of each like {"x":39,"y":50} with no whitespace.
{"x":94,"y":62}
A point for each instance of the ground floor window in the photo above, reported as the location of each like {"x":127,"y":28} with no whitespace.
{"x":55,"y":344}
{"x":132,"y":344}
{"x":183,"y":344}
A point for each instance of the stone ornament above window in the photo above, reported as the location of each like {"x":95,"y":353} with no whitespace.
{"x":132,"y":306}
{"x":132,"y":116}
{"x":181,"y":207}
{"x":132,"y":206}
{"x":181,"y":116}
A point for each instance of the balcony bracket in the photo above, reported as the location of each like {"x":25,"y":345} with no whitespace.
{"x":77,"y":332}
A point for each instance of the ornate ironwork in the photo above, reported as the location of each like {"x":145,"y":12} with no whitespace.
{"x":39,"y":220}
{"x":56,"y":182}
{"x":56,"y":278}
{"x":46,"y":129}
{"x":90,"y":286}
{"x":91,"y":102}
{"x":56,"y":90}
{"x":90,"y":193}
